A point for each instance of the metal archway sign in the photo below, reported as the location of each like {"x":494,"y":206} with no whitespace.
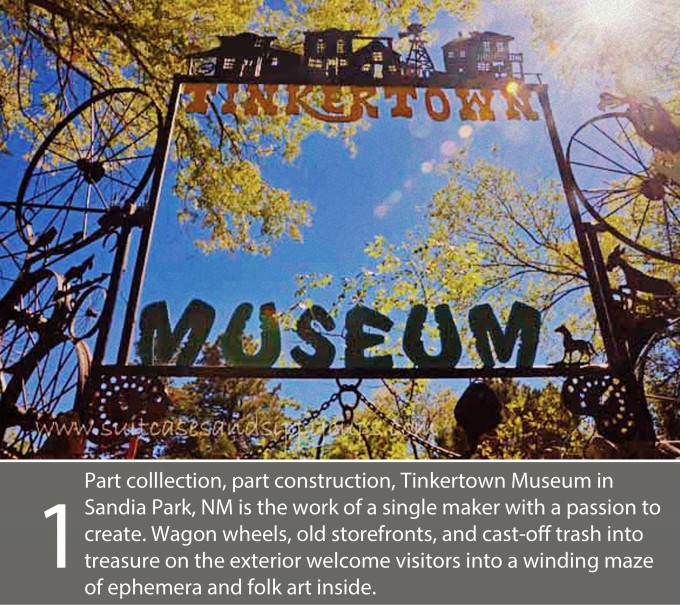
{"x":342,"y":77}
{"x":339,"y":81}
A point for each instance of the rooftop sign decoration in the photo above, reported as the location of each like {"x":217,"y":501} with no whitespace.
{"x":337,"y":76}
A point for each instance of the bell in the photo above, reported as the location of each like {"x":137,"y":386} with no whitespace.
{"x":478,"y":411}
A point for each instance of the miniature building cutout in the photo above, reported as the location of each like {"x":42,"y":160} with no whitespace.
{"x":246,"y":56}
{"x":483,"y":57}
{"x":336,"y":56}
{"x":327,"y":55}
{"x":418,"y":65}
{"x":241,"y":56}
{"x":377,"y":61}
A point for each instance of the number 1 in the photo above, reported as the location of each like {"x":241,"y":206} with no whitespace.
{"x":60,"y":511}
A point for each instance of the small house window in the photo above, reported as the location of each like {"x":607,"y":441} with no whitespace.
{"x":483,"y":66}
{"x":377,"y":57}
{"x":320,"y":47}
{"x":247,"y":66}
{"x":500,"y":47}
{"x":315,"y":63}
{"x":366,"y":67}
{"x":258,"y":42}
{"x":343,"y":62}
{"x":487,"y":46}
{"x":205,"y":67}
{"x":229,"y":63}
{"x":452,"y":54}
{"x":462,"y":54}
{"x":341,"y":47}
{"x":275,"y":61}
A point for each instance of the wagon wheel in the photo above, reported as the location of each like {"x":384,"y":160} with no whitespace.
{"x":13,"y":250}
{"x":659,"y":371}
{"x":54,"y":386}
{"x":97,"y":158}
{"x":617,"y":182}
{"x":27,"y":312}
{"x":86,"y":313}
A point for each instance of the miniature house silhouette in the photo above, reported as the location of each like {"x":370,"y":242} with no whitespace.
{"x":244,"y":57}
{"x":342,"y":56}
{"x":482,"y":58}
{"x":327,"y":55}
{"x":377,"y":61}
{"x":335,"y":56}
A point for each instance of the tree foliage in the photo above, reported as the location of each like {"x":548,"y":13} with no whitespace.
{"x":222,"y":418}
{"x":535,"y":425}
{"x":457,"y":255}
{"x":52,"y":52}
{"x":630,"y":46}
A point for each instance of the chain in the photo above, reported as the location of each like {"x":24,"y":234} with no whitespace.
{"x":431,"y":447}
{"x":348,"y":408}
{"x":294,"y":429}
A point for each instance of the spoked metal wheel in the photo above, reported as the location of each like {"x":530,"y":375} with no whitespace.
{"x":96,"y":159}
{"x":52,"y":387}
{"x":620,"y":180}
{"x":13,"y":250}
{"x":31,"y":313}
{"x":659,"y":370}
{"x":86,"y":313}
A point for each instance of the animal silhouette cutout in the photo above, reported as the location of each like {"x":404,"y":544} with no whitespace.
{"x":573,"y":345}
{"x":637,"y":281}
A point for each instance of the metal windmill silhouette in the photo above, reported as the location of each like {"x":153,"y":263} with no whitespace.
{"x":418,"y":62}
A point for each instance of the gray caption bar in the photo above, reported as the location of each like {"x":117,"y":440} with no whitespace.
{"x":346,"y":532}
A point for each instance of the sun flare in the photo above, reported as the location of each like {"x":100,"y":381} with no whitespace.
{"x":610,"y":15}
{"x":630,"y":44}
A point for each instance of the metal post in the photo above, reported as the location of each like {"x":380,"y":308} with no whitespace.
{"x":604,"y":287}
{"x":615,"y":353}
{"x":614,"y":341}
{"x":161,"y":156}
{"x":119,"y":261}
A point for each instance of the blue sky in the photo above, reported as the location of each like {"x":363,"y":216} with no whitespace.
{"x":376,"y":192}
{"x":355,"y":199}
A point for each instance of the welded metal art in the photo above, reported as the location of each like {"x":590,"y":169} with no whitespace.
{"x":73,"y":207}
{"x":83,"y":195}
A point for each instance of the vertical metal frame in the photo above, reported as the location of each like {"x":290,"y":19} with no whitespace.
{"x":615,"y":354}
{"x":616,"y":345}
{"x":159,"y":159}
